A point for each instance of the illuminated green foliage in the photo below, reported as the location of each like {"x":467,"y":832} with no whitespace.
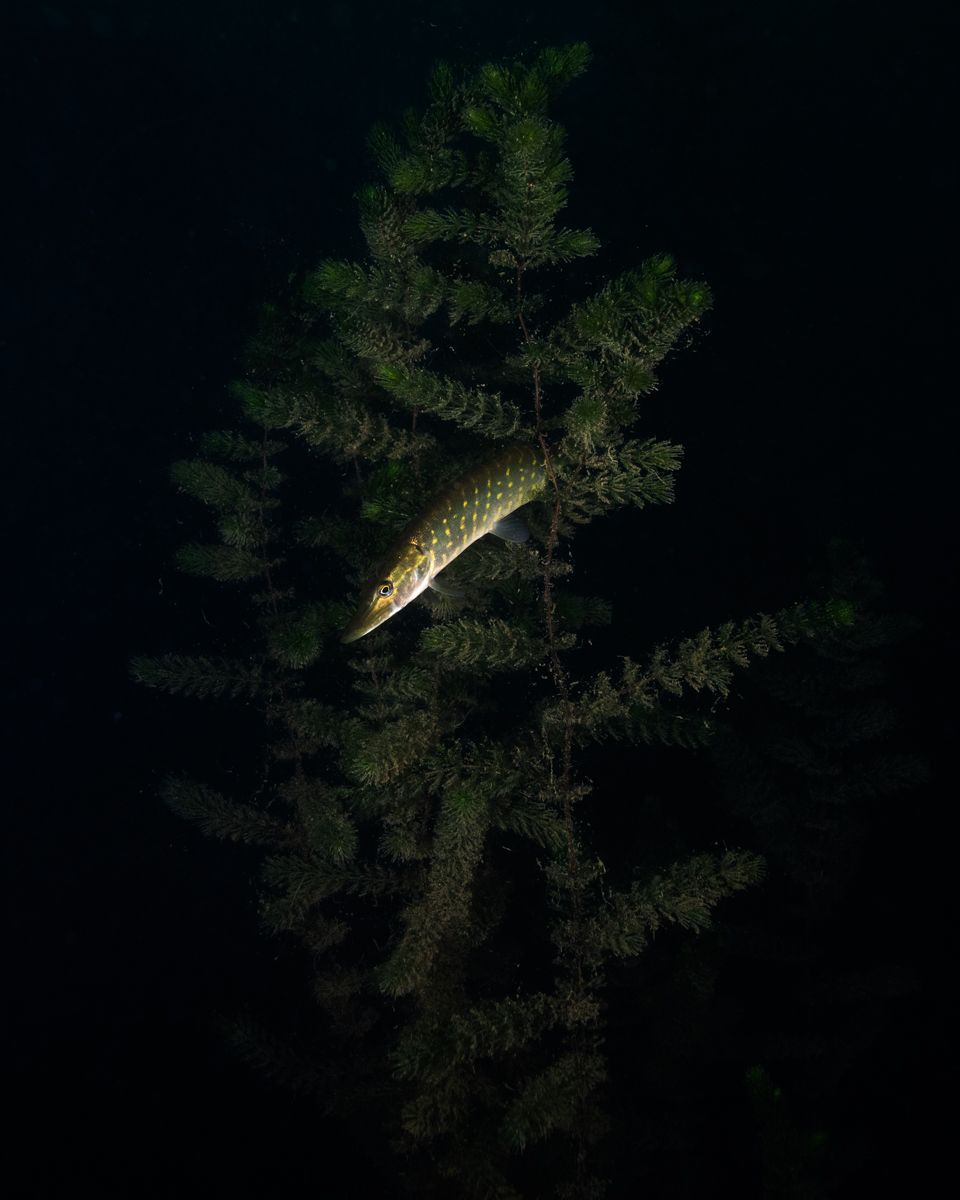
{"x":420,"y":785}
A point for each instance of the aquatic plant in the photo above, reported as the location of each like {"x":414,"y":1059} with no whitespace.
{"x":420,"y":800}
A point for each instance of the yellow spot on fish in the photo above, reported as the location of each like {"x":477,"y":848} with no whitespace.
{"x":474,"y":518}
{"x":510,"y":484}
{"x":507,"y":471}
{"x":464,"y":504}
{"x":434,"y":542}
{"x":499,"y":494}
{"x":463,"y":522}
{"x":487,"y":505}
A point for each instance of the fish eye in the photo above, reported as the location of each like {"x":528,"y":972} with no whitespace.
{"x":385,"y":588}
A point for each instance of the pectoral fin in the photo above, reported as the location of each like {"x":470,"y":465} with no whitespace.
{"x":512,"y":528}
{"x":446,"y":587}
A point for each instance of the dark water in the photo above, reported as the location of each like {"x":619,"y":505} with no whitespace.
{"x":170,"y":165}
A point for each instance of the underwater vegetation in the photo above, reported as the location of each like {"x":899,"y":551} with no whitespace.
{"x":420,"y":659}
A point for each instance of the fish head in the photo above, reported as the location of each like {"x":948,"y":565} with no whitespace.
{"x":405,"y":574}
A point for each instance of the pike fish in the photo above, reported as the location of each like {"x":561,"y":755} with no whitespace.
{"x":483,"y":501}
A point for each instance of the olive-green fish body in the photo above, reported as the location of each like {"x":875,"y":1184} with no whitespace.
{"x":477,"y":503}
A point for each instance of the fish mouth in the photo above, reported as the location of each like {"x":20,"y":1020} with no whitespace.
{"x":355,"y":630}
{"x":361,"y":625}
{"x":373,"y":615}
